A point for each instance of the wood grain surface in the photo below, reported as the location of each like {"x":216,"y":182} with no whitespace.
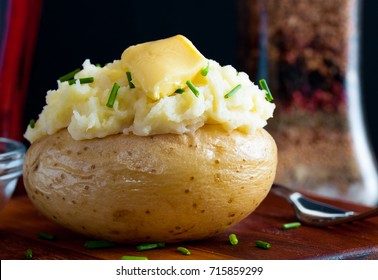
{"x":20,"y":224}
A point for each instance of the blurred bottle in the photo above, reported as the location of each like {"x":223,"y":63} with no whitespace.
{"x":308,"y":51}
{"x":19,"y":24}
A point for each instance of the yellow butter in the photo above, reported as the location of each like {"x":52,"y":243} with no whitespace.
{"x":161,"y":67}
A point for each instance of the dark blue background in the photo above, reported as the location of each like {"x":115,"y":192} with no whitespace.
{"x":72,"y":31}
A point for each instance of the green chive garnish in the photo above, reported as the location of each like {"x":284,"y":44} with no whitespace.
{"x":69,"y":76}
{"x":112,"y":95}
{"x":137,"y":258}
{"x":46,"y":236}
{"x":231,"y":92}
{"x":183,"y":250}
{"x":264,"y":86}
{"x":193,"y":88}
{"x":180,"y":90}
{"x":262,"y":244}
{"x":87,"y":80}
{"x":29,"y":254}
{"x":32,"y":123}
{"x":98,"y":65}
{"x":291,"y":225}
{"x":129,"y":79}
{"x":233,"y":239}
{"x":205,"y":70}
{"x":98,"y":244}
{"x":150,"y":246}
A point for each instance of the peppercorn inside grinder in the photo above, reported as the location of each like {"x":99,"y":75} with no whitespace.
{"x":308,"y":51}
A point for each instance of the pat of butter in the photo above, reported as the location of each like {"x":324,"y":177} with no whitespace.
{"x":161,"y":67}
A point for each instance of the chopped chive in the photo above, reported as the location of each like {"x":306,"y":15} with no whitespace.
{"x":205,"y":70}
{"x":46,"y":236}
{"x":32,"y":123}
{"x":180,"y":90}
{"x":129,"y":79}
{"x":150,"y":246}
{"x":183,"y":250}
{"x":69,"y":76}
{"x":98,"y":244}
{"x":98,"y":65}
{"x":29,"y":254}
{"x":87,"y":80}
{"x":133,"y":258}
{"x":264,"y":86}
{"x":291,"y":225}
{"x":231,"y":92}
{"x":233,"y":239}
{"x":193,"y":88}
{"x":262,"y":244}
{"x":112,"y":95}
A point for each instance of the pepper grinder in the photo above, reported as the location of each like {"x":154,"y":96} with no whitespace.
{"x":308,"y":51}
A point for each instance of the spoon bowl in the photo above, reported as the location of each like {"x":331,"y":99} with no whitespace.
{"x":314,"y":213}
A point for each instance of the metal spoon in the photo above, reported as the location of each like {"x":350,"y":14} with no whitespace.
{"x":316,"y":213}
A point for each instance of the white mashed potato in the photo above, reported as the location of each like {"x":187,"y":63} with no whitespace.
{"x":81,"y":108}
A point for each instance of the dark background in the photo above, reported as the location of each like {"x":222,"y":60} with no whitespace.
{"x":72,"y":31}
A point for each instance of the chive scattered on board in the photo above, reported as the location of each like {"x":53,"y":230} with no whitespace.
{"x":150,"y":246}
{"x":193,"y":88}
{"x":129,"y":79}
{"x":86,"y":80}
{"x":136,"y":258}
{"x":231,"y":92}
{"x":69,"y":76}
{"x":112,"y":95}
{"x":29,"y":254}
{"x":233,"y":239}
{"x":98,"y":244}
{"x":32,"y":123}
{"x":205,"y":70}
{"x":291,"y":225}
{"x":46,"y":236}
{"x":183,"y":250}
{"x":264,"y":86}
{"x":262,"y":244}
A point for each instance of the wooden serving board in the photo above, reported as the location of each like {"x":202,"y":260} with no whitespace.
{"x":20,"y":224}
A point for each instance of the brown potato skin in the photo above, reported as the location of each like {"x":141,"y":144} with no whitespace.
{"x":171,"y":188}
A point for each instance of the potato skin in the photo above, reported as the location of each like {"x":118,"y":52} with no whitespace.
{"x":171,"y":188}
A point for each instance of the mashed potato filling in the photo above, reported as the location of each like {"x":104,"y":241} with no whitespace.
{"x":153,"y":107}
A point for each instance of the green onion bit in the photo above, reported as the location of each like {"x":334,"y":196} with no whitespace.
{"x":193,"y":88}
{"x":46,"y":236}
{"x":98,"y":64}
{"x":150,"y":246}
{"x":262,"y":244}
{"x":87,"y":80}
{"x":98,"y":244}
{"x":231,"y":92}
{"x":129,"y":79}
{"x":32,"y":123}
{"x":69,"y":76}
{"x":29,"y":254}
{"x":291,"y":225}
{"x":112,"y":95}
{"x":183,"y":250}
{"x":180,"y":90}
{"x":233,"y":239}
{"x":264,"y":86}
{"x":136,"y":258}
{"x":205,"y":70}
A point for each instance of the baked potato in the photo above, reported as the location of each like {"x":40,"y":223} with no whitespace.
{"x":167,"y":187}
